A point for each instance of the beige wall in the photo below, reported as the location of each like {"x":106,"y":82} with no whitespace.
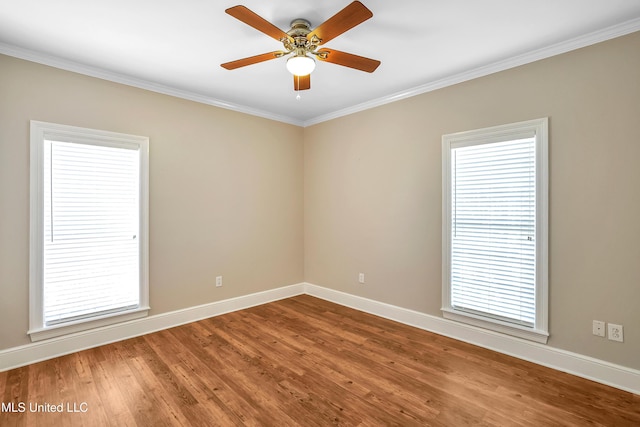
{"x":240,"y":196}
{"x":226,"y":192}
{"x":373,"y":191}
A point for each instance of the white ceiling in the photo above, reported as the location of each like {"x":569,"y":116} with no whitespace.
{"x":177,"y":46}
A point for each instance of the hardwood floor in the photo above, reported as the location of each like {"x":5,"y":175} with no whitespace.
{"x":302,"y":362}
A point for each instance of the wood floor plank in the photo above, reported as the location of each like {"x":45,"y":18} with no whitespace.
{"x":104,"y":372}
{"x":241,"y":368}
{"x":208,"y":363}
{"x":303,"y":361}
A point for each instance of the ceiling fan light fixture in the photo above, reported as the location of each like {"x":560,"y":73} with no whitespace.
{"x":301,"y":65}
{"x":301,"y":43}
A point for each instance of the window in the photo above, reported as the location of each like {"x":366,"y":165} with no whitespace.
{"x":89,"y":228}
{"x":495,"y":204}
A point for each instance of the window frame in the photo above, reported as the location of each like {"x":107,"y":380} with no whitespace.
{"x":540,"y":330}
{"x":39,"y":132}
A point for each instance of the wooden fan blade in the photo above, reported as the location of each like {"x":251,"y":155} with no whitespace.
{"x":251,"y":60}
{"x":352,"y":15}
{"x":256,"y":21}
{"x":349,"y":60}
{"x":302,"y":82}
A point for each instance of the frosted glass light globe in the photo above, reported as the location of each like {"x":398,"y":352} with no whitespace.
{"x":301,"y":65}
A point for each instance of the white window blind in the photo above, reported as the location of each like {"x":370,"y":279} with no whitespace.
{"x":495,"y":228}
{"x":89,"y":228}
{"x":493,"y":257}
{"x":91,"y":224}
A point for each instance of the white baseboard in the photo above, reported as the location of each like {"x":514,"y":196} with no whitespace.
{"x":583,"y":366}
{"x":617,"y":376}
{"x":59,"y":346}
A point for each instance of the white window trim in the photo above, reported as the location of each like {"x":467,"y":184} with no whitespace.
{"x":39,"y":132}
{"x":540,"y":331}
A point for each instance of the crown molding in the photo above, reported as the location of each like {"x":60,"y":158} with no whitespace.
{"x":585,"y":40}
{"x":76,"y":67}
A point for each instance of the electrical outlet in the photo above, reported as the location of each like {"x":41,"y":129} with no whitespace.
{"x":615,"y":332}
{"x":598,"y":328}
{"x":361,"y":278}
{"x":218,"y":281}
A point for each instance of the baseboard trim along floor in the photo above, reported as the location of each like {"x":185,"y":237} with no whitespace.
{"x":59,"y":346}
{"x":583,"y":366}
{"x":621,"y":377}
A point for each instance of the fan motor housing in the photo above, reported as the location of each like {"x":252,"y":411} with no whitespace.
{"x":299,"y":28}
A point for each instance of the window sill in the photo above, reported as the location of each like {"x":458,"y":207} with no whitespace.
{"x":44,"y":333}
{"x":529,"y":334}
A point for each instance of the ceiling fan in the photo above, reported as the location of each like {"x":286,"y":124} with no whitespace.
{"x":302,"y":43}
